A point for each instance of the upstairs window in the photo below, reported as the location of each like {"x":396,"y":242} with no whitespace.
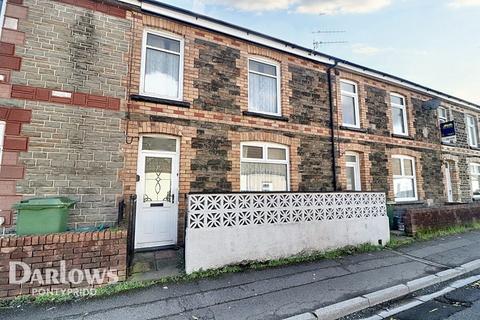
{"x":352,"y":162}
{"x":442,"y":115}
{"x":264,"y":167}
{"x":399,"y":114}
{"x":162,"y":66}
{"x":2,"y":135}
{"x":472,"y":132}
{"x":475,"y":179}
{"x":263,"y":87}
{"x":404,"y":178}
{"x":350,"y":108}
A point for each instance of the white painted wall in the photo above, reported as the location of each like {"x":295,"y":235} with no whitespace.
{"x":208,"y":248}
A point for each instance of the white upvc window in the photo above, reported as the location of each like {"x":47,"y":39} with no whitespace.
{"x":472,"y":133}
{"x":404,"y":178}
{"x":352,"y":163}
{"x":350,"y":109}
{"x":2,"y":138}
{"x":399,"y":114}
{"x":264,"y":167}
{"x":162,"y":65}
{"x":3,"y":8}
{"x":443,"y":115}
{"x":264,"y":86}
{"x":475,"y":179}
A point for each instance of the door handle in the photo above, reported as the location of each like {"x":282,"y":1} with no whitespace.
{"x":173,"y":198}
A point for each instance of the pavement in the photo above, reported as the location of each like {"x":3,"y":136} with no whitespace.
{"x":275,"y":293}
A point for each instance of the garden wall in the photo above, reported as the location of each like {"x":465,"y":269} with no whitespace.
{"x":51,"y":259}
{"x":440,"y":217}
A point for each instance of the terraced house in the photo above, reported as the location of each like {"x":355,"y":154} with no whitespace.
{"x":101,"y":100}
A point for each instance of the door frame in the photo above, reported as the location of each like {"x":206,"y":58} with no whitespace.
{"x":448,"y":184}
{"x":175,"y":181}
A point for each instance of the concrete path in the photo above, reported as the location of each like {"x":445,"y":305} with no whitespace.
{"x":271,"y":294}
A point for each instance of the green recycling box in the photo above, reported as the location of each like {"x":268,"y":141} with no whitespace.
{"x":43,"y":215}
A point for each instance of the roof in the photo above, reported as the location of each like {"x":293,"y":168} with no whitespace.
{"x":230,"y":29}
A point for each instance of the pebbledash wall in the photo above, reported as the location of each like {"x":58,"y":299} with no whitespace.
{"x":74,"y":69}
{"x":64,"y":71}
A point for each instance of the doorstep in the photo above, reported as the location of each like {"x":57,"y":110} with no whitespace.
{"x":154,"y":265}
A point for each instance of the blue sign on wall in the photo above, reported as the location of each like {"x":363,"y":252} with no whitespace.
{"x":447,"y":129}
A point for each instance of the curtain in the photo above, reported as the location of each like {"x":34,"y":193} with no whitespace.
{"x":262,"y":94}
{"x":348,"y":108}
{"x":398,"y":121}
{"x":162,"y":73}
{"x":262,"y":176}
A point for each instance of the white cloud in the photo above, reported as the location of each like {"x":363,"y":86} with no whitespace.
{"x":341,"y":6}
{"x":254,"y":5}
{"x":306,"y":6}
{"x":363,"y":49}
{"x":464,"y":3}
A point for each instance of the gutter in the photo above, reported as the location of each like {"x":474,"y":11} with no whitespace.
{"x":216,"y":25}
{"x":332,"y":129}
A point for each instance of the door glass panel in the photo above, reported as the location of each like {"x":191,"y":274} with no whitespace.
{"x":158,"y":179}
{"x":159,"y":144}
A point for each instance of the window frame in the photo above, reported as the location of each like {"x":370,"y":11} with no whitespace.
{"x":403,"y":176}
{"x":265,"y":146}
{"x":404,"y":112}
{"x":442,"y":119}
{"x":181,"y":54}
{"x":356,"y":166}
{"x":3,"y":9}
{"x":356,"y":106}
{"x":278,"y":86}
{"x":475,"y":127}
{"x":3,"y":126}
{"x":471,"y":166}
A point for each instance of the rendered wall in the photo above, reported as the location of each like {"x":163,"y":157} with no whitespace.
{"x":231,"y":229}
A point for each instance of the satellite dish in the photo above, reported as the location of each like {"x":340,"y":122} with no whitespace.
{"x":432,"y":104}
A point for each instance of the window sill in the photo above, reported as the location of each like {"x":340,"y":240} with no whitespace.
{"x":176,"y":103}
{"x":265,"y":116}
{"x":398,"y":203}
{"x":353,"y":129}
{"x":448,"y":144}
{"x":474,"y":148}
{"x":394,"y":135}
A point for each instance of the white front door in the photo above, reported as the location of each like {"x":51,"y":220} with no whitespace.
{"x":157,"y":191}
{"x":448,"y":178}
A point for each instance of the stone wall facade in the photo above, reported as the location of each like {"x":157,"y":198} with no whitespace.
{"x":89,"y":111}
{"x":67,"y":67}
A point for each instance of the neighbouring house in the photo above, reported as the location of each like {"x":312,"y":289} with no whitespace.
{"x":102,"y":100}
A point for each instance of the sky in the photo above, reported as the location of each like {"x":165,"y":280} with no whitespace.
{"x":435,"y":43}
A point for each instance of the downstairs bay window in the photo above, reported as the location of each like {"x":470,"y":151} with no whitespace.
{"x":264,"y":167}
{"x":404,"y":178}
